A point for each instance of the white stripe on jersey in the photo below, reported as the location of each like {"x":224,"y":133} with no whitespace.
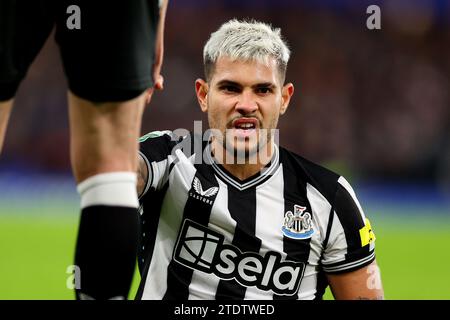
{"x":349,"y":265}
{"x":203,"y":285}
{"x":337,"y":245}
{"x":350,"y":190}
{"x":167,"y":232}
{"x":269,"y":219}
{"x":158,"y":172}
{"x":321,"y":209}
{"x":308,"y":286}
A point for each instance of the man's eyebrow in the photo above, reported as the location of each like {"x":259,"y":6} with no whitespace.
{"x":236,"y":84}
{"x":265,"y":85}
{"x":228,"y":83}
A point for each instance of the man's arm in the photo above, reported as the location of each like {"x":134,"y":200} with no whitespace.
{"x":362,"y":284}
{"x":159,"y":54}
{"x":5,"y":112}
{"x":142,"y":176}
{"x":158,"y":79}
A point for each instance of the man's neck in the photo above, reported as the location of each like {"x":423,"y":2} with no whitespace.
{"x":253,"y":164}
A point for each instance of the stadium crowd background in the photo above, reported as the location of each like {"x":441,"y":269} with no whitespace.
{"x":372,"y":104}
{"x":377,"y":101}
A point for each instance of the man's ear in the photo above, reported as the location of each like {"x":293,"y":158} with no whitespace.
{"x":201,"y":89}
{"x":286,"y":94}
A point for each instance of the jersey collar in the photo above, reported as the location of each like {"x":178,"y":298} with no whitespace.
{"x":250,"y":182}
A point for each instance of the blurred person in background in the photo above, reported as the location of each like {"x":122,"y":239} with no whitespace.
{"x":112,"y":61}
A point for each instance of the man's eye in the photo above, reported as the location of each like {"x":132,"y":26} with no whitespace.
{"x":264,"y":90}
{"x":229,"y":89}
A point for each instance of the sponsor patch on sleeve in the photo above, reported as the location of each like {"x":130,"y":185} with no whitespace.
{"x":366,"y":234}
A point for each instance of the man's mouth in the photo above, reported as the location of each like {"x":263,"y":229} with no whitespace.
{"x":244,"y":127}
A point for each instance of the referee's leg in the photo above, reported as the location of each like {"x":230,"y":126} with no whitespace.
{"x":108,"y":70}
{"x":104,"y":151}
{"x":5,"y":111}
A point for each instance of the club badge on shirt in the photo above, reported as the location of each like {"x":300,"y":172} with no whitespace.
{"x":297,"y":225}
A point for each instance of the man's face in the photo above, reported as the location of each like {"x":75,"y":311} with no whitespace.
{"x":243,"y":100}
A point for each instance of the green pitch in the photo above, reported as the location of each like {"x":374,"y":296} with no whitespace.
{"x":37,"y":246}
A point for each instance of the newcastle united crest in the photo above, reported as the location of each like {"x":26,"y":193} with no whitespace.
{"x":298,"y":225}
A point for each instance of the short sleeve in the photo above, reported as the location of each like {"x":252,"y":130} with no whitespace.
{"x":351,"y":242}
{"x":156,"y":148}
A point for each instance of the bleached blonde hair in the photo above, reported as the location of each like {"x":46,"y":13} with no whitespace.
{"x":246,"y":40}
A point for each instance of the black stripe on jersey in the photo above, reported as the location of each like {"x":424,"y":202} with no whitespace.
{"x":319,"y":177}
{"x":322,"y":281}
{"x":149,"y":225}
{"x":351,"y":220}
{"x":330,"y":224}
{"x":179,"y":276}
{"x":157,"y":149}
{"x":242,"y":207}
{"x":294,"y":188}
{"x":149,"y":181}
{"x":322,"y":284}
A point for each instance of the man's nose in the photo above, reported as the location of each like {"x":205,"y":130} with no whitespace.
{"x":247,"y":103}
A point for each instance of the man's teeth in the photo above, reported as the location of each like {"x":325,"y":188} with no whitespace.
{"x":245,"y":126}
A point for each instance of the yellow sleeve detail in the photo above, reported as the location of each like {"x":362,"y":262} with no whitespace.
{"x":366,"y":234}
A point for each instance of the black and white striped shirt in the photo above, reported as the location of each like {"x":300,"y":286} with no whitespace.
{"x":208,"y":235}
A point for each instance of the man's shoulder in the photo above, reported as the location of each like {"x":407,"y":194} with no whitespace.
{"x":156,"y":135}
{"x":157,"y":145}
{"x":301,"y":163}
{"x":169,"y":136}
{"x":165,"y":142}
{"x":318,"y":176}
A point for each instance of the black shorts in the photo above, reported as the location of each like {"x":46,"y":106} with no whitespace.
{"x":110,"y":58}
